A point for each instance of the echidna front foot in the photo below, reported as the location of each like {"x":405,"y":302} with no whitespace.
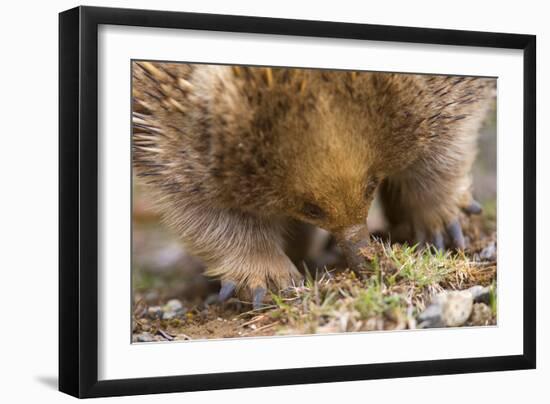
{"x":227,"y":290}
{"x":258,"y":295}
{"x":427,"y":215}
{"x":452,"y":236}
{"x":449,"y":234}
{"x":252,"y":280}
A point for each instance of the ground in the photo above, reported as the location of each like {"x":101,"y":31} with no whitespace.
{"x":396,"y":285}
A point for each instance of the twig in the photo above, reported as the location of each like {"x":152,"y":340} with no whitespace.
{"x":254,"y":320}
{"x":165,"y":334}
{"x":265,"y":327}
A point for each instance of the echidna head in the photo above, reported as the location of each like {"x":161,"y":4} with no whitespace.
{"x":332,"y":181}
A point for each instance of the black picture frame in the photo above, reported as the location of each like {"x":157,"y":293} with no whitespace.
{"x":78,"y":201}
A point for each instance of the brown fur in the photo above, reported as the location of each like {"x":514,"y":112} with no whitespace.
{"x":237,"y":155}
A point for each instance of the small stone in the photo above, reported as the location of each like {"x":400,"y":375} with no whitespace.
{"x":154,"y":312}
{"x":489,"y":253}
{"x":480,"y":294}
{"x":143,"y":337}
{"x":169,"y":315}
{"x":448,"y":309}
{"x":173,"y":308}
{"x":184,"y":337}
{"x":457,"y":308}
{"x":481,"y":314}
{"x":173,"y":305}
{"x":431,"y":317}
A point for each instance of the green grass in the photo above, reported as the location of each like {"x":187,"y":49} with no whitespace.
{"x":490,"y":211}
{"x":424,"y":268}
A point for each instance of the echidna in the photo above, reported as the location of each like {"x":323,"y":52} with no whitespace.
{"x":238,"y":158}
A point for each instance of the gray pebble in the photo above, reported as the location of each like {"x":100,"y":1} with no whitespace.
{"x":481,"y":314}
{"x":173,"y":305}
{"x":489,"y":253}
{"x":173,"y":308}
{"x":154,"y":312}
{"x":168,"y":315}
{"x":143,"y":337}
{"x":480,"y":294}
{"x":431,"y":317}
{"x":448,"y":309}
{"x":457,"y":308}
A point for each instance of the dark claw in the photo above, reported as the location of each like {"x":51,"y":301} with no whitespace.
{"x":474,"y":208}
{"x":455,"y":233}
{"x":419,"y":237}
{"x":227,"y":290}
{"x":258,"y":298}
{"x":437,"y":241}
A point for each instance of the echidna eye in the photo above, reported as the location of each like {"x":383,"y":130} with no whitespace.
{"x":313,"y":211}
{"x":371,"y":187}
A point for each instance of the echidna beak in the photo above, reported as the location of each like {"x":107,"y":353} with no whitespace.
{"x":351,"y":240}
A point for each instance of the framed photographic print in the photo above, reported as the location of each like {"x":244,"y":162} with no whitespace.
{"x":250,"y":201}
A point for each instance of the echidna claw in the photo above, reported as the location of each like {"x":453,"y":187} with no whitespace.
{"x":454,"y":230}
{"x":226,"y":291}
{"x":420,"y":238}
{"x":474,"y":208}
{"x":437,"y":241}
{"x":258,"y":298}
